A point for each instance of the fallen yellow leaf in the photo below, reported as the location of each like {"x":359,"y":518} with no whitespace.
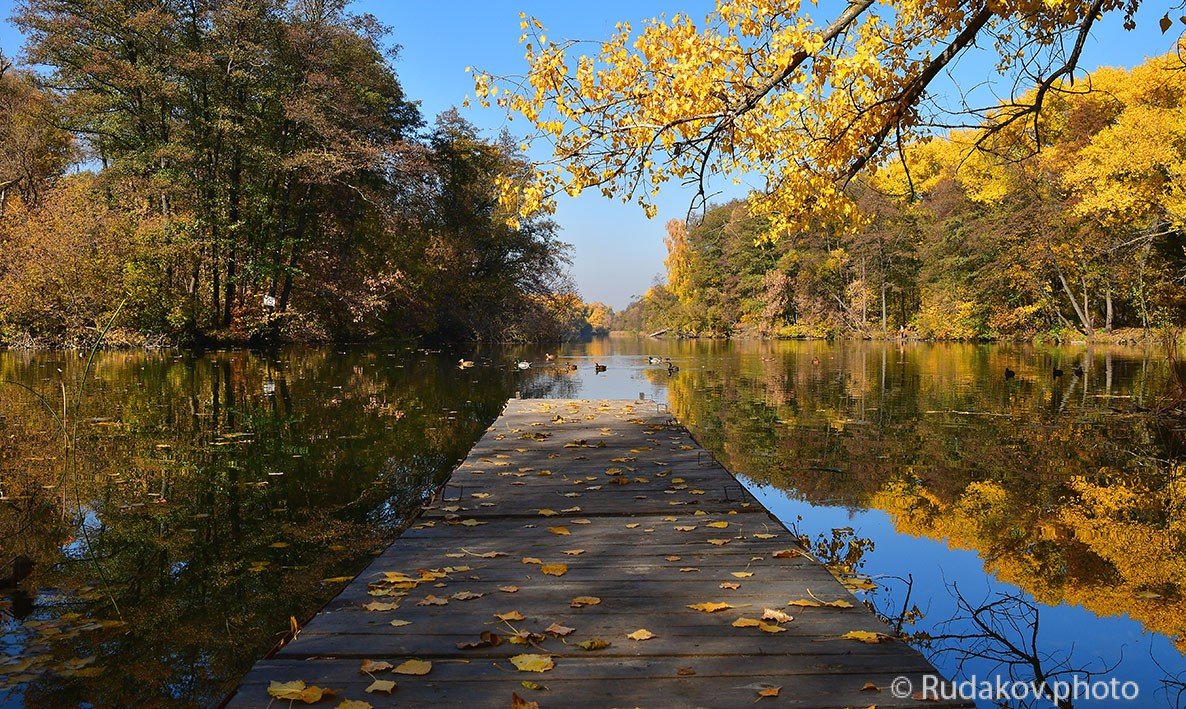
{"x":742,"y":574}
{"x":573,"y":552}
{"x":730,"y":586}
{"x":381,"y":685}
{"x":804,"y":603}
{"x":413,"y":667}
{"x":355,"y":704}
{"x":560,"y":531}
{"x":554,"y":569}
{"x":372,"y":666}
{"x":297,"y":691}
{"x":769,"y":692}
{"x":431,"y":600}
{"x":580,"y":601}
{"x":746,"y":623}
{"x":533,"y":663}
{"x":641,"y":634}
{"x":378,"y":606}
{"x":545,"y":512}
{"x":594,"y":644}
{"x":710,"y":607}
{"x":531,"y":560}
{"x":771,"y":628}
{"x":865,"y":636}
{"x":400,"y":623}
{"x":518,"y":702}
{"x":509,"y":589}
{"x":763,"y":535}
{"x":718,"y":542}
{"x":509,"y":615}
{"x":776,"y":615}
{"x":718,"y":525}
{"x":559,"y":630}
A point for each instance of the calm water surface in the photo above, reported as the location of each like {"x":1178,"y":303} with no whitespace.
{"x":197,"y":502}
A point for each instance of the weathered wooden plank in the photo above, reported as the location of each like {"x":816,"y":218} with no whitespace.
{"x":545,"y":479}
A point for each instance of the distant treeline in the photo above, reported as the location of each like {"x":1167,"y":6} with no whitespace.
{"x":976,"y":236}
{"x":251,"y":170}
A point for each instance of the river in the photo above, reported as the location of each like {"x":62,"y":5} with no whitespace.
{"x":181,"y":507}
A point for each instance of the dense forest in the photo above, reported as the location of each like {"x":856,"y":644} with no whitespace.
{"x":234,"y":171}
{"x":973,"y":234}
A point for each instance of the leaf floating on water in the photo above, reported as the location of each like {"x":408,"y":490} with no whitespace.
{"x":710,"y":607}
{"x":840,"y":603}
{"x":533,"y":663}
{"x":769,"y":692}
{"x":373,"y":666}
{"x":380,"y":606}
{"x":594,"y":644}
{"x":581,"y":601}
{"x":297,"y":691}
{"x":509,"y":615}
{"x":381,"y":685}
{"x":730,"y":586}
{"x":685,"y":672}
{"x":546,"y":512}
{"x":431,"y":600}
{"x":719,"y":542}
{"x":509,"y":589}
{"x":559,"y":630}
{"x":400,"y":623}
{"x":771,"y":628}
{"x":491,"y":554}
{"x":632,"y":525}
{"x":466,"y":596}
{"x":413,"y":667}
{"x":355,"y":704}
{"x":641,"y":634}
{"x":784,"y":554}
{"x":741,"y":574}
{"x":534,"y":686}
{"x":559,"y":531}
{"x":763,"y":535}
{"x":672,"y":557}
{"x":870,"y":687}
{"x":471,"y":523}
{"x":573,"y":552}
{"x":718,"y":525}
{"x":866,"y":636}
{"x":685,"y":528}
{"x":554,"y":569}
{"x":531,"y":560}
{"x":804,"y":603}
{"x":746,"y":623}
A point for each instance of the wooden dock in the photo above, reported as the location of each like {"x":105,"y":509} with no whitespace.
{"x":575,"y":525}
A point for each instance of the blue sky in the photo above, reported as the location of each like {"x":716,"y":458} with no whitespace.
{"x":617,"y":251}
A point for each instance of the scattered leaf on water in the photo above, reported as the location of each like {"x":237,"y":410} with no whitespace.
{"x":870,"y":687}
{"x":741,"y":574}
{"x":534,"y":686}
{"x":559,"y":630}
{"x":839,"y":603}
{"x":718,"y":525}
{"x":672,"y":557}
{"x":355,"y":704}
{"x":632,"y":525}
{"x":531,"y":560}
{"x":641,"y":634}
{"x":685,"y":672}
{"x":594,"y":644}
{"x":509,"y":589}
{"x":431,"y":600}
{"x":573,"y":552}
{"x":509,"y":615}
{"x":719,"y":542}
{"x":400,"y":623}
{"x":560,"y":531}
{"x":784,"y":554}
{"x":546,"y":512}
{"x":554,"y":569}
{"x":466,"y":596}
{"x":730,"y":586}
{"x":710,"y":607}
{"x":580,"y":601}
{"x":764,"y":535}
{"x":804,"y":603}
{"x":533,"y":663}
{"x":769,"y":692}
{"x":771,"y":628}
{"x":746,"y":623}
{"x":413,"y":667}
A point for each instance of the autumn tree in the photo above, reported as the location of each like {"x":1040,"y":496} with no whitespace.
{"x":759,"y":88}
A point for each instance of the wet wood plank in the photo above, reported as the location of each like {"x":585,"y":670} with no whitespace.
{"x":565,"y":501}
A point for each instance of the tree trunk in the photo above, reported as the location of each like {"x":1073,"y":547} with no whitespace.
{"x":1083,"y":319}
{"x":1108,"y":308}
